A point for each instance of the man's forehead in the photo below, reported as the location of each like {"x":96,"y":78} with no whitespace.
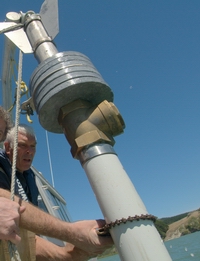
{"x":26,"y":137}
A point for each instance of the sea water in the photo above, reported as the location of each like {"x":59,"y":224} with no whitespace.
{"x":185,"y":248}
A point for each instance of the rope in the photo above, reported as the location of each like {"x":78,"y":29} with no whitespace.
{"x":16,"y":127}
{"x":49,"y":154}
{"x":14,"y":254}
{"x":12,"y":248}
{"x":23,"y":91}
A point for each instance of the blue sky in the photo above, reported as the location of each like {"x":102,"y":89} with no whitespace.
{"x":149,"y":54}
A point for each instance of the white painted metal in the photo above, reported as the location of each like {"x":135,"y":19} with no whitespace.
{"x":118,"y":198}
{"x":18,"y":37}
{"x":13,"y":17}
{"x":49,"y":15}
{"x":8,"y":55}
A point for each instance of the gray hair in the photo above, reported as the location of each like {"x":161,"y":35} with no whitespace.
{"x":23,"y":129}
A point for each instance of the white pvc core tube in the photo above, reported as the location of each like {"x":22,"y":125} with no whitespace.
{"x":118,"y":198}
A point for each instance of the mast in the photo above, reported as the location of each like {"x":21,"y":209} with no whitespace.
{"x":8,"y":60}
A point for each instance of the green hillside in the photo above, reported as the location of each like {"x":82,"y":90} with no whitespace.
{"x":170,"y":220}
{"x":189,"y":223}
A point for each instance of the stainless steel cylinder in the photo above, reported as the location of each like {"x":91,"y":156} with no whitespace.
{"x":64,"y":78}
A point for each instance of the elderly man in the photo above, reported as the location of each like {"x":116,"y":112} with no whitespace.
{"x":25,"y":186}
{"x":82,"y":237}
{"x":9,"y":210}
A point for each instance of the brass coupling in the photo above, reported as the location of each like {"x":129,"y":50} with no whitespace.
{"x":84,"y":124}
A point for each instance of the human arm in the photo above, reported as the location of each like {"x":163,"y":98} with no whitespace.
{"x":82,"y":234}
{"x":46,"y":251}
{"x":9,"y":220}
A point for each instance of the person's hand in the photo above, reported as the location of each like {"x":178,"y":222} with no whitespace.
{"x":84,"y":236}
{"x":46,"y":250}
{"x":9,"y":219}
{"x":77,"y":254}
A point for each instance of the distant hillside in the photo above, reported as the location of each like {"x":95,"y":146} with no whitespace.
{"x":182,"y":224}
{"x":170,"y":220}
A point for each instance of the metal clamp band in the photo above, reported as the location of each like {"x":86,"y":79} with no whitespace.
{"x":95,"y":151}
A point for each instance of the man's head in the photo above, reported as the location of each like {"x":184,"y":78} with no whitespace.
{"x":26,"y":146}
{"x":5,"y":123}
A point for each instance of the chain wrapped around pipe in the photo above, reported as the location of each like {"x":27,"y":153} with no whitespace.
{"x":104,"y":231}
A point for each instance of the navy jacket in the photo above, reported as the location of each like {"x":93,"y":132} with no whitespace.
{"x":25,"y":186}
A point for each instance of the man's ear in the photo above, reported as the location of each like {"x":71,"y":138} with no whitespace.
{"x":7,"y":147}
